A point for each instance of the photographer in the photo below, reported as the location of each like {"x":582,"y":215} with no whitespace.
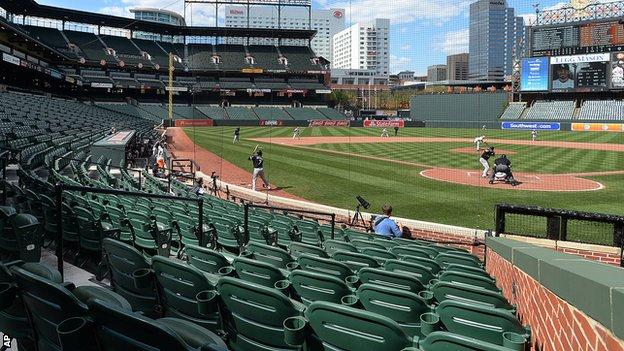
{"x":385,"y":226}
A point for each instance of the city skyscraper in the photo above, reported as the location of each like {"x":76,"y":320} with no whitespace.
{"x":364,"y":46}
{"x":495,"y":33}
{"x":457,"y":66}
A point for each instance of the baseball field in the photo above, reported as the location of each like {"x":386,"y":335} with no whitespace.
{"x":427,"y":174}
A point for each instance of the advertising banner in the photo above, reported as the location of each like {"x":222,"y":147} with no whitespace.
{"x":597,"y":127}
{"x":194,"y":122}
{"x":328,"y":123}
{"x":271,"y":123}
{"x":531,"y":125}
{"x":373,"y":123}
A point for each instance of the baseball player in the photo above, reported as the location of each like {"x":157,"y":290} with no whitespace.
{"x":534,"y":135}
{"x":478,"y":141}
{"x":384,"y":133}
{"x":485,"y":160}
{"x":236,"y":136}
{"x":297,"y":133}
{"x":258,"y":169}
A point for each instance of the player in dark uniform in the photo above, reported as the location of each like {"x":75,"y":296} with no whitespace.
{"x":485,"y":160}
{"x":258,"y":170}
{"x":503,"y":164}
{"x":396,"y":131}
{"x":236,"y":136}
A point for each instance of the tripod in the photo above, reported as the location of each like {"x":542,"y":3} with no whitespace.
{"x":357,"y":217}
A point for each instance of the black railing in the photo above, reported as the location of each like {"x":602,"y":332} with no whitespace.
{"x":61,"y":187}
{"x":561,"y":225}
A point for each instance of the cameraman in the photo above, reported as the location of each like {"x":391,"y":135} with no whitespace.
{"x":385,"y":226}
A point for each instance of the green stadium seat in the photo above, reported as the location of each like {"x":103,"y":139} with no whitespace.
{"x":49,"y":303}
{"x":13,"y":318}
{"x":123,"y":262}
{"x":297,"y":249}
{"x":467,"y":278}
{"x":258,"y":272}
{"x":325,"y":266}
{"x":445,"y":259}
{"x":381,"y":255}
{"x":394,"y":280}
{"x":116,"y":329}
{"x":313,"y":286}
{"x":411,"y":250}
{"x":8,"y":242}
{"x":256,"y":315}
{"x":228,"y":234}
{"x":427,"y":262}
{"x":404,"y":307}
{"x":355,"y":261}
{"x":454,"y":267}
{"x":28,"y":235}
{"x":443,"y":291}
{"x":337,"y":327}
{"x":332,"y":246}
{"x":270,"y":254}
{"x":445,"y":341}
{"x":480,"y":322}
{"x":364,"y":244}
{"x":206,"y":260}
{"x":423,"y":273}
{"x":179,"y":285}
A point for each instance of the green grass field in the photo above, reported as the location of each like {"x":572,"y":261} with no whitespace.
{"x":334,"y":179}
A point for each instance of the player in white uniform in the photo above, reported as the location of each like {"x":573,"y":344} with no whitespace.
{"x":296,"y":133}
{"x":384,"y":133}
{"x":534,"y":135}
{"x":478,"y":141}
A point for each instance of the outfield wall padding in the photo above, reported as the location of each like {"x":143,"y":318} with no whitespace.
{"x":458,"y":107}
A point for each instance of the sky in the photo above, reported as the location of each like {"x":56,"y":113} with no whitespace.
{"x":423,"y":32}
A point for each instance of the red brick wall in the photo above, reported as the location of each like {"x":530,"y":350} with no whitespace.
{"x":593,"y":255}
{"x":556,"y":325}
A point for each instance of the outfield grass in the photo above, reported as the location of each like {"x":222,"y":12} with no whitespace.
{"x":333,"y":179}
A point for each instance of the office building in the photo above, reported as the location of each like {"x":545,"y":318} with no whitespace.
{"x":436,"y":73}
{"x":495,"y":33}
{"x":364,"y":46}
{"x":457,"y":67}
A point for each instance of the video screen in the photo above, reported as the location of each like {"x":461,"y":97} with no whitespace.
{"x":535,"y":75}
{"x":617,"y":70}
{"x":579,"y":73}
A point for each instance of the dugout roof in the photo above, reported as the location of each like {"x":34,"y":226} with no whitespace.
{"x":32,"y":8}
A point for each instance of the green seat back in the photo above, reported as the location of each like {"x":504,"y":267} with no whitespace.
{"x":354,"y":235}
{"x":394,"y":280}
{"x":345,"y":328}
{"x":364,"y":244}
{"x":427,"y":262}
{"x":445,"y":341}
{"x":402,"y":306}
{"x":324,"y":265}
{"x":455,"y":267}
{"x":445,"y":259}
{"x":468,"y":278}
{"x":449,"y":291}
{"x":313,"y":286}
{"x":257,"y":315}
{"x":205,"y":259}
{"x":257,"y":272}
{"x":412,"y":251}
{"x":297,"y":249}
{"x":28,"y":236}
{"x":478,"y":321}
{"x":123,"y":260}
{"x":355,"y":261}
{"x":179,"y":285}
{"x":48,"y":303}
{"x":387,"y":243}
{"x":381,"y":255}
{"x":270,"y":254}
{"x":421,"y":272}
{"x":331,"y":246}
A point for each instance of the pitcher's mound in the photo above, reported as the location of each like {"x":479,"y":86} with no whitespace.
{"x":528,"y":181}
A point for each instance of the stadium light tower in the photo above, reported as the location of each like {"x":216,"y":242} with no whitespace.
{"x":536,"y":7}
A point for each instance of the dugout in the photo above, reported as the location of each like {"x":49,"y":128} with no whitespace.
{"x":113,"y":146}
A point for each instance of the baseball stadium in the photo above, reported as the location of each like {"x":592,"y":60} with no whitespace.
{"x":176,"y":187}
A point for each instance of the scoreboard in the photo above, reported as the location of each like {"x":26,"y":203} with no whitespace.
{"x":585,"y":38}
